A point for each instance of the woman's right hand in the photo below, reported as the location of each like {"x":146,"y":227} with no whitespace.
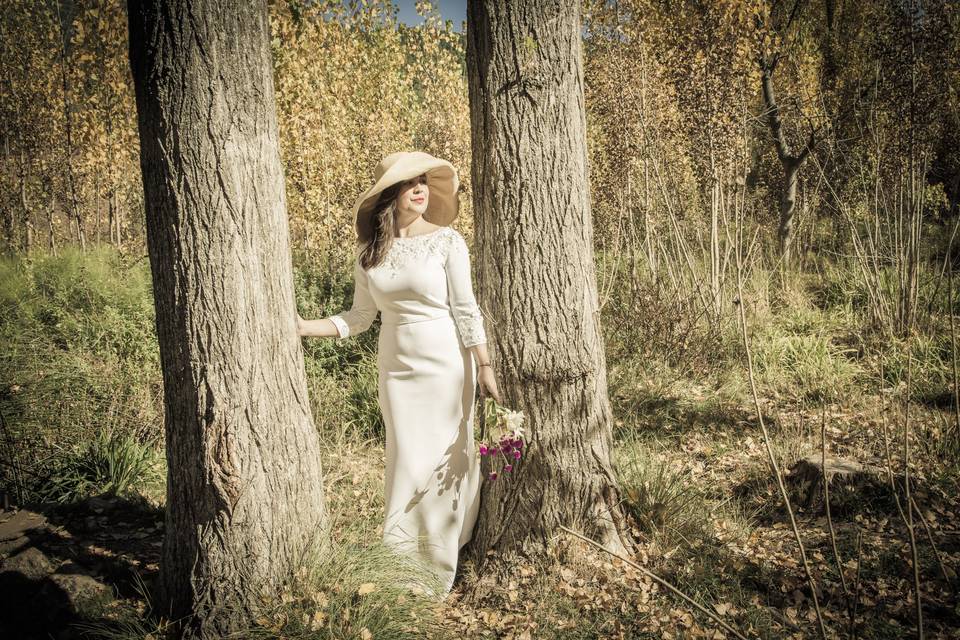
{"x":301,"y":328}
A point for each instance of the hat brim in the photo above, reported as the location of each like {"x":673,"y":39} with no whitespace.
{"x":442,"y":179}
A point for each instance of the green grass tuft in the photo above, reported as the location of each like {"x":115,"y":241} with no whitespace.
{"x":661,"y":495}
{"x":113,"y":464}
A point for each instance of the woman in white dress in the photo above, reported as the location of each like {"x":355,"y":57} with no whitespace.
{"x":414,"y":270}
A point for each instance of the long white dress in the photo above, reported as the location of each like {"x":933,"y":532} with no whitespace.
{"x":426,"y":385}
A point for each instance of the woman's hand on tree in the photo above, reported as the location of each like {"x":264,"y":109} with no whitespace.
{"x":301,"y":325}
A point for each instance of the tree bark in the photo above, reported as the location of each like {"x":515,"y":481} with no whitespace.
{"x":536,"y":280}
{"x":245,"y":500}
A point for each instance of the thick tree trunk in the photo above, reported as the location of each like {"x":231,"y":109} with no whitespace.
{"x":245,"y":495}
{"x":536,"y":277}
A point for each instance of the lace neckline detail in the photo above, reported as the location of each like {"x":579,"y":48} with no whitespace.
{"x":436,"y":243}
{"x":420,"y":235}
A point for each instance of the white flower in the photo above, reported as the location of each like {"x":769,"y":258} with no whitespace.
{"x":514,"y":420}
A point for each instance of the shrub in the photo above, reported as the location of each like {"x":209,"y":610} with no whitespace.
{"x":803,"y":367}
{"x":931,"y":367}
{"x":114,"y":464}
{"x":660,"y":495}
{"x":81,"y":356}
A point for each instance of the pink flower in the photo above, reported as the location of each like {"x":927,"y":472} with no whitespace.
{"x":508,"y":438}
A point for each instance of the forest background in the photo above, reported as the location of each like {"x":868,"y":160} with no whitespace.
{"x":819,"y":142}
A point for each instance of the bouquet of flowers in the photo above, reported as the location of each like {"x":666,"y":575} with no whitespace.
{"x":506,"y":435}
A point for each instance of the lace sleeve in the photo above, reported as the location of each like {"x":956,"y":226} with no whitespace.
{"x":361,"y":315}
{"x":464,"y":306}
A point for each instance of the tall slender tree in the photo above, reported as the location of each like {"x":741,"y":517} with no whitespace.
{"x":245,"y":496}
{"x":791,"y":161}
{"x":536,"y":276}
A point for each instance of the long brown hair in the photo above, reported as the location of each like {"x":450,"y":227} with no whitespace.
{"x":382,"y":219}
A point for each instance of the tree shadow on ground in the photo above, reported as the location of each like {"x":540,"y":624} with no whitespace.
{"x":71,"y":561}
{"x":647,"y":412}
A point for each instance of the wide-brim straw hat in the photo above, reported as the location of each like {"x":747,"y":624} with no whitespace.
{"x":442,"y":180}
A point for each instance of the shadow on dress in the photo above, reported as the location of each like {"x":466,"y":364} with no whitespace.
{"x":451,"y":471}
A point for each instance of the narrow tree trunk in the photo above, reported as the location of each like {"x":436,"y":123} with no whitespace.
{"x":117,"y":217}
{"x":24,"y":204}
{"x":68,"y":126}
{"x":47,"y":181}
{"x":245,"y":495}
{"x":96,"y":199}
{"x":716,"y":270}
{"x":106,"y":108}
{"x":828,"y":48}
{"x":16,"y":123}
{"x":51,"y":236}
{"x":788,"y":205}
{"x":789,"y":161}
{"x":9,"y":212}
{"x":111,"y":215}
{"x":537,"y":276}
